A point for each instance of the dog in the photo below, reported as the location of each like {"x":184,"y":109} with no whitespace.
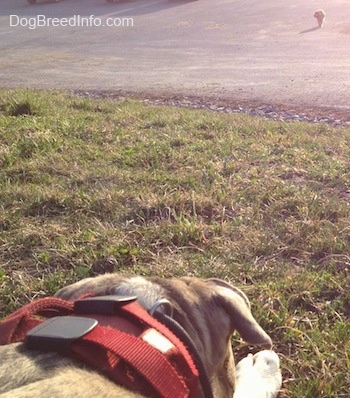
{"x":209,"y":310}
{"x":320,"y":15}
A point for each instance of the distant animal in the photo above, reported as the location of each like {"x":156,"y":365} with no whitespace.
{"x":320,"y":15}
{"x":206,"y":311}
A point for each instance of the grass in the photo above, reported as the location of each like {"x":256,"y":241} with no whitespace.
{"x":91,"y":186}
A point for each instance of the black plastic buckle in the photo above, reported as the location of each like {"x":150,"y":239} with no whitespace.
{"x":56,"y":334}
{"x":105,"y":305}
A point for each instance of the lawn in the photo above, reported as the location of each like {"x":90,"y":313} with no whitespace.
{"x":90,"y":186}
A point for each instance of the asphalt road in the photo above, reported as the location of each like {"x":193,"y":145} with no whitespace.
{"x":266,"y":50}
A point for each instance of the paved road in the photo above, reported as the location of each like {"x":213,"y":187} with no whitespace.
{"x":266,"y":50}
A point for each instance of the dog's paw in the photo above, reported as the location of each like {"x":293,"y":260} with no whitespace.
{"x":258,"y":376}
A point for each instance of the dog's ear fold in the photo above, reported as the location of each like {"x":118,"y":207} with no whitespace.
{"x":237,"y":305}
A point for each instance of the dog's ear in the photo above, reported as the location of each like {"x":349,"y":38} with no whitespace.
{"x":237,"y":305}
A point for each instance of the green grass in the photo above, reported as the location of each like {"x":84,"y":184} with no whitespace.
{"x":91,"y":186}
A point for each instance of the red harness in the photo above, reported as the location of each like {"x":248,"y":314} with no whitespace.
{"x":112,"y":334}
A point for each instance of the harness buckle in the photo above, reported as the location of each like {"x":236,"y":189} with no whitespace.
{"x":57,"y":334}
{"x":104,"y":305}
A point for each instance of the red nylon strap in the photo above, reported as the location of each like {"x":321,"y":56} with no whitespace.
{"x":190,"y":371}
{"x":156,"y":369}
{"x":15,"y":326}
{"x":112,"y":350}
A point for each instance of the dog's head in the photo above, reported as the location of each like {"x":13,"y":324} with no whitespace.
{"x":209,"y":310}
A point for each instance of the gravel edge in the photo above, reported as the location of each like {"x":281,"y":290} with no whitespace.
{"x":279,"y":112}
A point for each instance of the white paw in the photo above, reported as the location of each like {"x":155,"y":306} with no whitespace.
{"x":258,"y":376}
